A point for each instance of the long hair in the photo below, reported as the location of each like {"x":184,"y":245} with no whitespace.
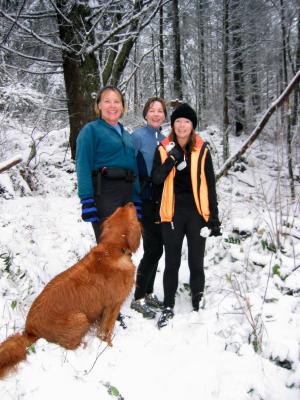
{"x":190,"y":143}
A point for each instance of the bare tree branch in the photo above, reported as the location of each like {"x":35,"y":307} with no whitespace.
{"x":6,"y":36}
{"x":35,"y":15}
{"x":33,"y":34}
{"x":94,"y":47}
{"x":124,"y":83}
{"x":60,"y":71}
{"x":45,"y":60}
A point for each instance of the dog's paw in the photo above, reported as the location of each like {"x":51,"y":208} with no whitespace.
{"x":106,"y":337}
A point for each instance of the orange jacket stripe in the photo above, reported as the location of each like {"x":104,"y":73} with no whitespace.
{"x":167,"y":200}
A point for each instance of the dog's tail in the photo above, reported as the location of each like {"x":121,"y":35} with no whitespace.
{"x":13,"y":351}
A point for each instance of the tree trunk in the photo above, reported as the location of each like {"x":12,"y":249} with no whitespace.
{"x":225,"y":80}
{"x":154,"y":65}
{"x":294,"y":117}
{"x":286,"y":115}
{"x":80,"y":72}
{"x":177,"y":53}
{"x":201,"y":56}
{"x":135,"y":84}
{"x":161,"y":54}
{"x":238,"y":67}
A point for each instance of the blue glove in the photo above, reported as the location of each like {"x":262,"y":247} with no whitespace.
{"x":89,"y":210}
{"x":138,"y":208}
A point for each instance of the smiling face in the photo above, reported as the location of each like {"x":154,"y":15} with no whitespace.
{"x":110,"y":106}
{"x":183,"y":128}
{"x":155,"y":115}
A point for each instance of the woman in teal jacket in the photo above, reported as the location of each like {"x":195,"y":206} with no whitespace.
{"x":105,"y":161}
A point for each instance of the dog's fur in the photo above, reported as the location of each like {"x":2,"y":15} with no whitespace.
{"x":91,"y":292}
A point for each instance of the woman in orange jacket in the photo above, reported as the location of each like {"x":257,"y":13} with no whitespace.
{"x":187,"y":202}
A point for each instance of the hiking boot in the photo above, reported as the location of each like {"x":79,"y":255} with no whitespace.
{"x":165,"y":316}
{"x":141,"y":306}
{"x":120,"y":319}
{"x":152,"y":301}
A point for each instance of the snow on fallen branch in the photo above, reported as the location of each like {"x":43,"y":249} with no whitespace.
{"x":5,"y":165}
{"x":258,"y":129}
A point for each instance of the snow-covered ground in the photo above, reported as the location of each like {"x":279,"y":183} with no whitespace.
{"x":243,"y":345}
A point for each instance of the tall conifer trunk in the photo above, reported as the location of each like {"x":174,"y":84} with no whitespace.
{"x":80,"y":72}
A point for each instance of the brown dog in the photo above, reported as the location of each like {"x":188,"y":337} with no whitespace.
{"x":91,"y":292}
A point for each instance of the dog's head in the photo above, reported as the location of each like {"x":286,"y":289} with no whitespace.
{"x":122,"y":228}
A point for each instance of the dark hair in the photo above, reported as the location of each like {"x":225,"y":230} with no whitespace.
{"x":152,"y":100}
{"x":190,"y":143}
{"x":104,"y":89}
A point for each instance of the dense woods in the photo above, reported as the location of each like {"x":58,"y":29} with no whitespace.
{"x":237,"y":63}
{"x":229,"y":58}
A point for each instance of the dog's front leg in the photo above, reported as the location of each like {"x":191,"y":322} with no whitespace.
{"x":107,"y":323}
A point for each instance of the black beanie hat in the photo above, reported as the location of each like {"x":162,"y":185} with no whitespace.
{"x":184,"y":111}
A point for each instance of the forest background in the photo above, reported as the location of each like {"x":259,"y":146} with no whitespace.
{"x":237,"y":62}
{"x":229,"y":58}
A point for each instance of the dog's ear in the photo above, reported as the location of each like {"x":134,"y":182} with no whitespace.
{"x":133,"y":227}
{"x":134,"y":236}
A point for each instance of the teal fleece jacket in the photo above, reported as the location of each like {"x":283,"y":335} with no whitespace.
{"x":100,"y":145}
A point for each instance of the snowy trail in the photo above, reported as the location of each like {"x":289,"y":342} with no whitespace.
{"x":187,"y":359}
{"x":41,"y":234}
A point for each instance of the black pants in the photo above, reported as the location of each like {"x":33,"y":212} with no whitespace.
{"x":114,"y":193}
{"x":187,"y":222}
{"x":153,"y":249}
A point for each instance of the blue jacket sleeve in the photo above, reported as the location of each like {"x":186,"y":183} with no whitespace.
{"x":137,"y":142}
{"x":84,"y":163}
{"x":136,"y":184}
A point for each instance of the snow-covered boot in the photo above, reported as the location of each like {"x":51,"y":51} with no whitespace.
{"x":152,"y":301}
{"x":142,"y":307}
{"x":165,"y":316}
{"x":120,"y":319}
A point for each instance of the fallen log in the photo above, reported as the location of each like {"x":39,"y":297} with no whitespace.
{"x":5,"y":165}
{"x":260,"y":126}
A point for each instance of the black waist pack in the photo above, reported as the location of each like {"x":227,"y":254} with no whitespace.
{"x":117,"y":173}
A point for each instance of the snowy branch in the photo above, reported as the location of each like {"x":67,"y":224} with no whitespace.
{"x":59,"y":71}
{"x":45,"y":60}
{"x":6,"y":36}
{"x":5,"y":165}
{"x":258,"y":129}
{"x":33,"y":34}
{"x":92,"y":48}
{"x":35,"y":15}
{"x":137,"y":66}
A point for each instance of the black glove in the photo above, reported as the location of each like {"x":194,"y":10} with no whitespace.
{"x":215,"y":226}
{"x":89,"y":210}
{"x":176,"y":153}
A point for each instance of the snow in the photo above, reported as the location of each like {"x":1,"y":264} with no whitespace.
{"x":251,"y":302}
